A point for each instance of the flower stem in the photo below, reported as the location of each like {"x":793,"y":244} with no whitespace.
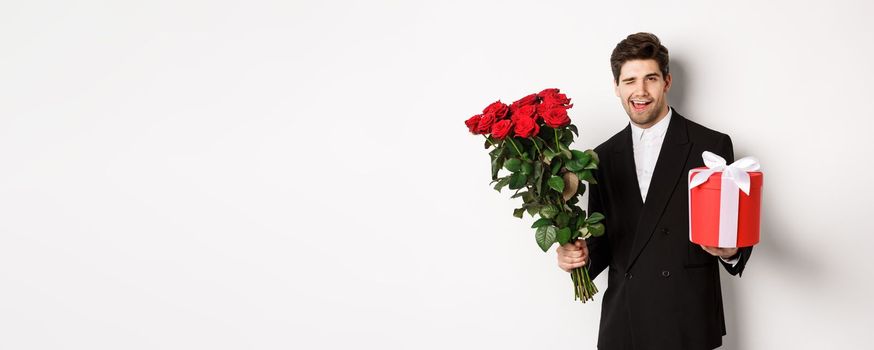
{"x":545,"y":144}
{"x":514,"y":146}
{"x":490,"y":141}
{"x":584,"y":288}
{"x":555,"y":131}
{"x":536,"y":147}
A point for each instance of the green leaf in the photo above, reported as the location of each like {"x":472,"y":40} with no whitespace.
{"x":541,"y":222}
{"x":545,"y":237}
{"x":533,"y":209}
{"x":581,"y":220}
{"x":548,"y":211}
{"x":548,"y":154}
{"x":579,"y":162}
{"x":596,"y":229}
{"x":556,"y":183}
{"x":528,"y":197}
{"x":518,"y":180}
{"x":519,"y":194}
{"x":565,"y":151}
{"x":538,"y":176}
{"x":518,"y":212}
{"x":498,"y":151}
{"x":561,"y":220}
{"x":501,"y":183}
{"x":595,"y":218}
{"x":527,"y":168}
{"x":586,"y":175}
{"x":567,"y":136}
{"x":576,"y":164}
{"x":498,"y":162}
{"x":563,"y":235}
{"x":594,"y":155}
{"x":513,"y":164}
{"x":582,"y":232}
{"x":556,"y":166}
{"x":574,"y":129}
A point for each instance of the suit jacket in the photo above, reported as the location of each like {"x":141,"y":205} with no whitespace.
{"x":663,"y":291}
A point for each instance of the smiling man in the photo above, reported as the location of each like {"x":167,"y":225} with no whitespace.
{"x":663,"y":291}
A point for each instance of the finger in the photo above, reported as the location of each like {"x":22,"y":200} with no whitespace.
{"x":571,"y":261}
{"x":712,"y":250}
{"x":568,"y":267}
{"x":570,"y":247}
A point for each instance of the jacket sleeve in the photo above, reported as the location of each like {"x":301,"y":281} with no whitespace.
{"x":726,"y":150}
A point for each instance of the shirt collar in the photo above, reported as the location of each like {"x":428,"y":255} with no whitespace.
{"x":656,"y":130}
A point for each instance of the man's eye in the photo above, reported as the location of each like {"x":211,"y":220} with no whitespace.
{"x":652,"y":78}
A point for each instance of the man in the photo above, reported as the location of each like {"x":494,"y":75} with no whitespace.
{"x":663,"y":292}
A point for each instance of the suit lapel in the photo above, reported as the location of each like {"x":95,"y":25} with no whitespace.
{"x":627,"y":170}
{"x":669,"y":170}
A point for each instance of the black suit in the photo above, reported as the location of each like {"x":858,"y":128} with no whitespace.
{"x":663,"y":292}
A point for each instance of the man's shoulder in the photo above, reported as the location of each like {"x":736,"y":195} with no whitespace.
{"x":613,"y":142}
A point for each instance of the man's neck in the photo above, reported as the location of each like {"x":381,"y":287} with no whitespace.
{"x":662,"y":115}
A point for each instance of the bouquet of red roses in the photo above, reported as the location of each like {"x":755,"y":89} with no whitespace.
{"x":531,"y":139}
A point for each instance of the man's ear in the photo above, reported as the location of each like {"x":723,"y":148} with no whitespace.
{"x":668,"y":80}
{"x":615,"y":87}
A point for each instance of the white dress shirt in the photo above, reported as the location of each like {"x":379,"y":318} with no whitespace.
{"x":647,"y":144}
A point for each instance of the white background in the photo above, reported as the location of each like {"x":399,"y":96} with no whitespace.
{"x":290,"y":175}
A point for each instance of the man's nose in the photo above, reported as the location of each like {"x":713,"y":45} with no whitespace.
{"x":640,"y":90}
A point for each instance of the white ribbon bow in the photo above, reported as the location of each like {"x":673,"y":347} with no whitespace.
{"x":737,"y":171}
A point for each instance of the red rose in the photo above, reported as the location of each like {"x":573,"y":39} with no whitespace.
{"x":528,"y":111}
{"x":501,"y":129}
{"x":552,"y":97}
{"x":547,"y":92}
{"x":541,"y":111}
{"x":522,"y":102}
{"x":472,"y":123}
{"x":497,"y":108}
{"x":485,"y":123}
{"x":526,"y":127}
{"x":556,"y":117}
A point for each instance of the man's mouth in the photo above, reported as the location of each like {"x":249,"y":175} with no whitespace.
{"x":640,"y":105}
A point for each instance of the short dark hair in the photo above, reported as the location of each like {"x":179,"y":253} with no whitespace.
{"x":639,"y":46}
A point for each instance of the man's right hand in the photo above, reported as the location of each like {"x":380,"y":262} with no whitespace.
{"x":572,"y":255}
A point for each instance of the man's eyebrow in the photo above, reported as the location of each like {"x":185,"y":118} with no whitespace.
{"x":646,"y":76}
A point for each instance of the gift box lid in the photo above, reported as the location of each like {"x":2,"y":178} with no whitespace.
{"x":715,"y":180}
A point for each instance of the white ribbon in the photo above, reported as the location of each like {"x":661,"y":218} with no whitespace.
{"x":737,"y":171}
{"x":735,"y":178}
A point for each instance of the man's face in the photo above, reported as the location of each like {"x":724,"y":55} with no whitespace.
{"x":643,"y":91}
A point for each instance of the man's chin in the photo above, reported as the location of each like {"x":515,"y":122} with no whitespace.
{"x":642,"y":119}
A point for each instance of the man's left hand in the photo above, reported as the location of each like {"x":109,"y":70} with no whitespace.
{"x":724,"y":253}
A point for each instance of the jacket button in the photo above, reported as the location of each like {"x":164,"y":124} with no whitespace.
{"x":628,"y":275}
{"x":665,"y":231}
{"x":666,"y":273}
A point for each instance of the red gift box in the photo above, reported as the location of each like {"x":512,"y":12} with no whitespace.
{"x":725,"y":203}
